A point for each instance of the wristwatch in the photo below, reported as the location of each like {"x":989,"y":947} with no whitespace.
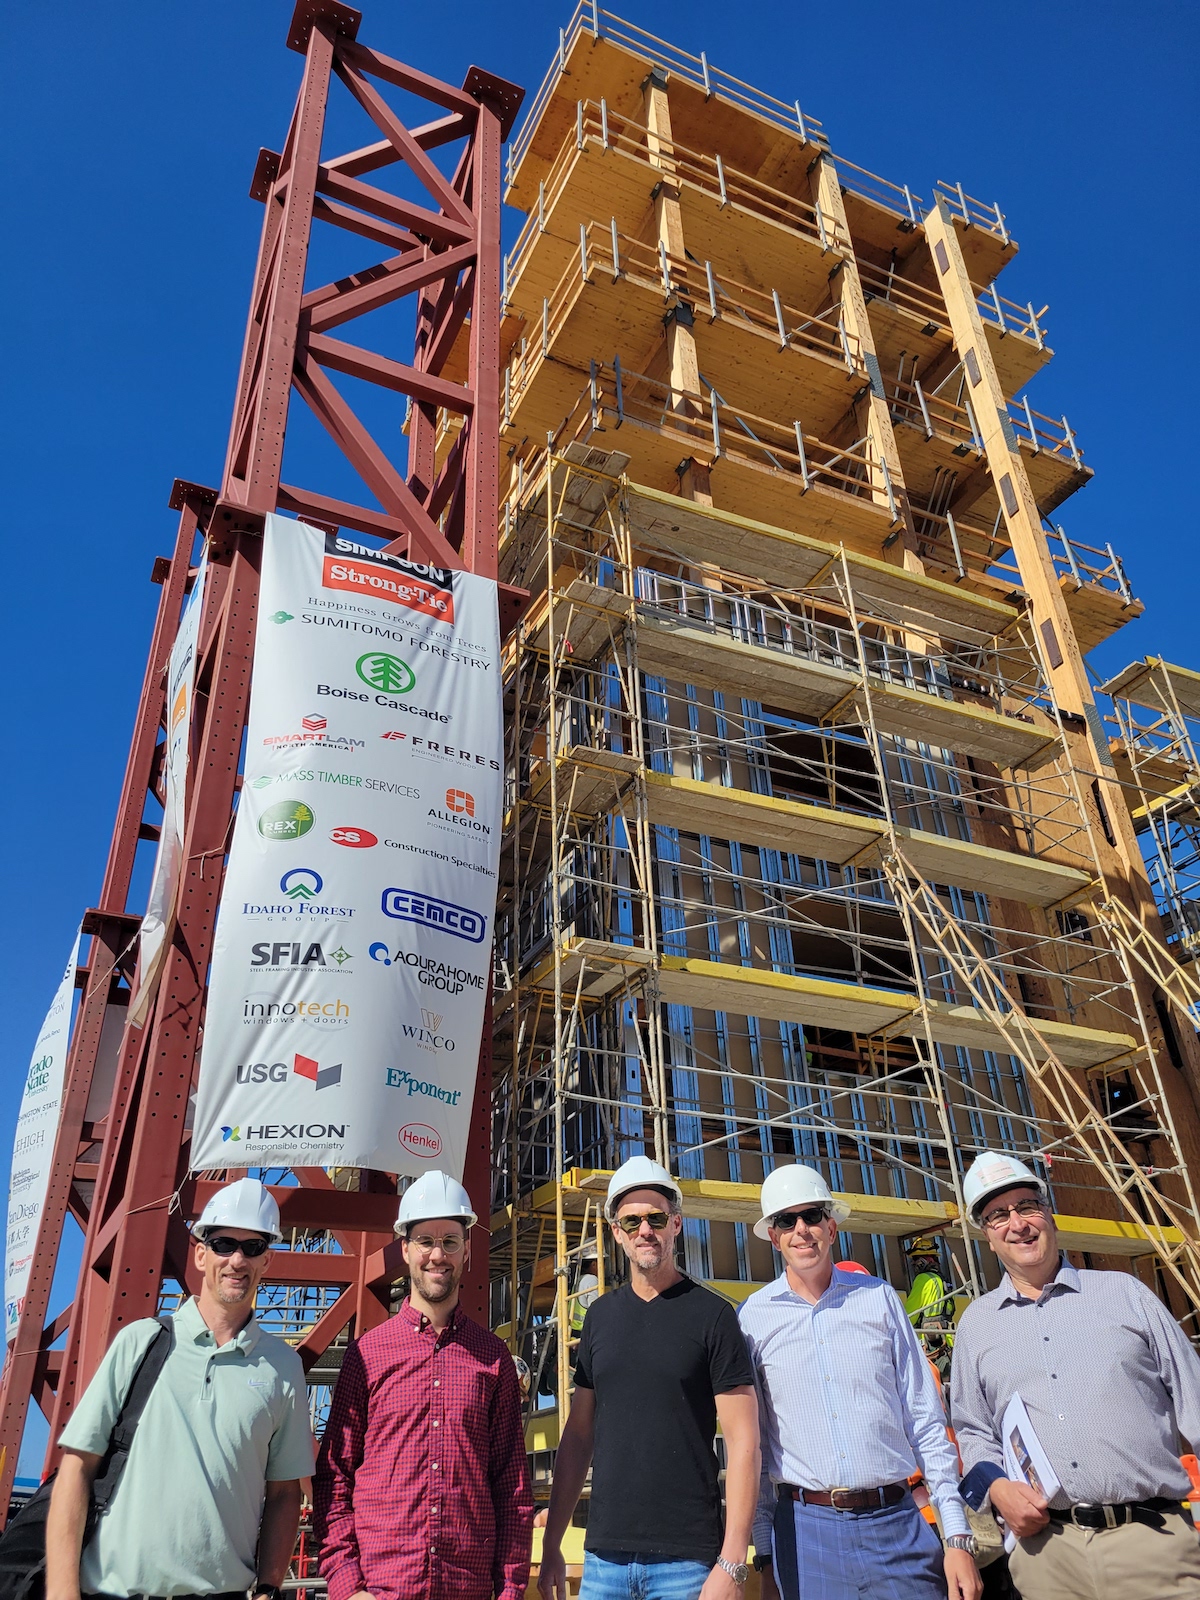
{"x":737,"y":1570}
{"x":962,"y":1541}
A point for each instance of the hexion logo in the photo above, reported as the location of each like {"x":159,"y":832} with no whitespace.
{"x":277,"y":1072}
{"x":385,"y":672}
{"x":289,"y":819}
{"x":302,"y":883}
{"x":406,"y":905}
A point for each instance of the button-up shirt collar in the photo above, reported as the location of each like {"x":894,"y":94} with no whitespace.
{"x":1065,"y":1279}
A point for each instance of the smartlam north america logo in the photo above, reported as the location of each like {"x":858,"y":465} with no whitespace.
{"x":313,"y":732}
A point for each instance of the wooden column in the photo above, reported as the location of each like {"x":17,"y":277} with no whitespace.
{"x":847,"y":290}
{"x":683,"y":363}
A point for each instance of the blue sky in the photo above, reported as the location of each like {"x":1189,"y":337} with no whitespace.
{"x":131,"y":135}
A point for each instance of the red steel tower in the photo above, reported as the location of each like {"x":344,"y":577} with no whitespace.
{"x":121,"y":1154}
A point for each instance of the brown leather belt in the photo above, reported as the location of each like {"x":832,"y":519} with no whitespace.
{"x":889,"y":1494}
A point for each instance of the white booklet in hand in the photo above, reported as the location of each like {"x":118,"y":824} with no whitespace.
{"x":1024,"y":1459}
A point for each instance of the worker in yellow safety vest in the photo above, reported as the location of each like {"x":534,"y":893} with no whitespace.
{"x":930,"y":1303}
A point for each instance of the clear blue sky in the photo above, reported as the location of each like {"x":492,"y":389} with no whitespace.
{"x":130,"y":136}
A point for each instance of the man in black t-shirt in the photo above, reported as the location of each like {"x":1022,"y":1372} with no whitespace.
{"x":659,"y":1362}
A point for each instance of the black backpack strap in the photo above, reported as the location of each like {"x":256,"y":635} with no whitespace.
{"x":121,"y":1438}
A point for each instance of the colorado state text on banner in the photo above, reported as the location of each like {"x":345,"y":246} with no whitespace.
{"x":352,"y":956}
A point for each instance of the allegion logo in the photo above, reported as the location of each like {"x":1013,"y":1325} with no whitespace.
{"x":302,"y":883}
{"x":460,"y":812}
{"x":289,"y":819}
{"x":419,"y":1139}
{"x":443,"y":916}
{"x":458,"y":800}
{"x":360,"y":570}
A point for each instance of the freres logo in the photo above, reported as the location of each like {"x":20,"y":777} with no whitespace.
{"x":443,"y":916}
{"x":385,"y":672}
{"x":288,"y":819}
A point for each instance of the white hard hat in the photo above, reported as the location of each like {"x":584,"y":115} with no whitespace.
{"x":992,"y":1172}
{"x":244,"y":1204}
{"x":435,"y":1194}
{"x":794,"y":1187}
{"x":639,"y":1172}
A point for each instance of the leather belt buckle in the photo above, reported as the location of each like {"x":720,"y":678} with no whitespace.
{"x":833,"y":1498}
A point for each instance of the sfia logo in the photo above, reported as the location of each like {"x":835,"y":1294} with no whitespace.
{"x":354,"y":838}
{"x":284,"y":953}
{"x":419,"y":1139}
{"x":302,"y":883}
{"x":458,"y":800}
{"x":289,"y":819}
{"x":280,"y":616}
{"x":228,"y":1134}
{"x":385,"y":672}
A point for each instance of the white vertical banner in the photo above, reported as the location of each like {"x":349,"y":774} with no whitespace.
{"x":33,"y":1146}
{"x":164,"y":885}
{"x":352,"y":955}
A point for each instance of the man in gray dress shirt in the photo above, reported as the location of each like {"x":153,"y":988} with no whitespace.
{"x":1112,"y":1388}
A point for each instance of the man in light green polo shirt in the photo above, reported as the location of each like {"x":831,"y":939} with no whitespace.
{"x":210,"y":1499}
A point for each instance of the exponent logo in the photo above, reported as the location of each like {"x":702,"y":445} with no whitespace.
{"x":443,"y":916}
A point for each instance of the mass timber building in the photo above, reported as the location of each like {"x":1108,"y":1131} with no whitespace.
{"x":821,"y":845}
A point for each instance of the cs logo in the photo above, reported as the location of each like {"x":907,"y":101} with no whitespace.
{"x":353,"y":838}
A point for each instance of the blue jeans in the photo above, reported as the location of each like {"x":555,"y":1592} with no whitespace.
{"x":626,"y":1575}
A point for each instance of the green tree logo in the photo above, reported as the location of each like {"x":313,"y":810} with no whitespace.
{"x":385,"y":672}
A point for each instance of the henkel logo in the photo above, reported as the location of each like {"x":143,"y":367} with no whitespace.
{"x":458,"y":800}
{"x":406,"y":905}
{"x":353,"y":838}
{"x":419,"y":1139}
{"x":322,"y":1077}
{"x":362,"y":570}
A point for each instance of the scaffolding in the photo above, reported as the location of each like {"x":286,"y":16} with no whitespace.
{"x":812,"y":851}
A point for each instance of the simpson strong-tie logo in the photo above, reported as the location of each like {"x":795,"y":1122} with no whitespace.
{"x":443,"y":916}
{"x":385,"y":672}
{"x":373,"y":575}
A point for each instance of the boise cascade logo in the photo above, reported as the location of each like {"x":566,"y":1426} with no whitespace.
{"x":288,"y":819}
{"x":443,"y":916}
{"x":387,"y":673}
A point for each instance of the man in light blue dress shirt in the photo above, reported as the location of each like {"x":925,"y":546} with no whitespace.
{"x":849,"y":1410}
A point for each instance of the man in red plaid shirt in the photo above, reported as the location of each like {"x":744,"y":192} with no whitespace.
{"x":422,"y":1485}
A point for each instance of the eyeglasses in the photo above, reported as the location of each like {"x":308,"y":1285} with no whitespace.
{"x":810,"y":1216}
{"x":224,"y":1244}
{"x":449,"y":1246}
{"x":1020,"y":1208}
{"x":631,"y":1224}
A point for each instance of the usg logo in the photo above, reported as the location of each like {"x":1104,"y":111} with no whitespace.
{"x":385,"y":672}
{"x":289,"y":819}
{"x":419,"y":1139}
{"x":302,"y":883}
{"x":322,"y":1077}
{"x":458,"y":800}
{"x":406,"y":905}
{"x":354,"y":838}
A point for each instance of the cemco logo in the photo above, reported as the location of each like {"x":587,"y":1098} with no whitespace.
{"x":353,"y":838}
{"x":460,"y":922}
{"x":459,"y":801}
{"x":419,"y":1139}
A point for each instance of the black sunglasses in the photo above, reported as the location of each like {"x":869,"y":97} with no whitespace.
{"x":224,"y":1244}
{"x":658,"y":1220}
{"x":785,"y":1221}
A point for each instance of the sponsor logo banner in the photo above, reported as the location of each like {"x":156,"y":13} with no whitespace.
{"x":393,"y":670}
{"x":33,"y":1147}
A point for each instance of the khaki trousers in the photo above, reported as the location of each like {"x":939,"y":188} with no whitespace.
{"x":1134,"y":1562}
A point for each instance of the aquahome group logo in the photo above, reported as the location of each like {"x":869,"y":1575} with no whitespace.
{"x":371,"y":574}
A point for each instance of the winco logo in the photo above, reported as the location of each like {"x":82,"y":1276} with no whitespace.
{"x":443,"y":916}
{"x":427,"y":1036}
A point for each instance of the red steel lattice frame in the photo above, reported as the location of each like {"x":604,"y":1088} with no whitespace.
{"x":118,"y":1174}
